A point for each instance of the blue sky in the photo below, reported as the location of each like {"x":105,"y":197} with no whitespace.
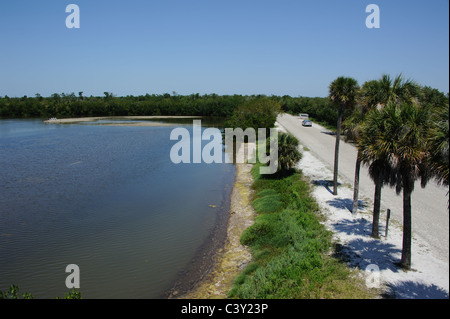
{"x":293,"y":47}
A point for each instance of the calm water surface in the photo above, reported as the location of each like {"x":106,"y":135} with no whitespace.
{"x":107,"y":199}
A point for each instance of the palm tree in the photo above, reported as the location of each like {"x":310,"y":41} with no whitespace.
{"x":380,"y":170}
{"x":402,"y":142}
{"x":439,"y":145}
{"x":288,"y":153}
{"x":352,"y":127}
{"x":343,"y":92}
{"x":367,"y":100}
{"x":392,"y":90}
{"x":376,"y":94}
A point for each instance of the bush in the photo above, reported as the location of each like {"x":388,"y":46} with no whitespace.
{"x":268,"y":204}
{"x":291,"y":247}
{"x":257,"y":113}
{"x":288,"y":152}
{"x":13,"y":293}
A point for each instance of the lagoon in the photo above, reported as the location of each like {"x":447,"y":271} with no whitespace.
{"x":108,"y":199}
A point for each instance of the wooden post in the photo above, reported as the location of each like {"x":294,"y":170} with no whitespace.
{"x":388,"y":216}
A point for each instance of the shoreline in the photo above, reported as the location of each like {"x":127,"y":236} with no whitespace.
{"x":217,"y":263}
{"x":137,"y":117}
{"x":205,"y":257}
{"x":233,"y":257}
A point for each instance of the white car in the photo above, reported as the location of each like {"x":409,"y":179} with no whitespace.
{"x":306,"y":123}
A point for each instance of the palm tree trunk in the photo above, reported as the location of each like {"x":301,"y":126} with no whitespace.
{"x":336,"y":149}
{"x":376,"y":206}
{"x":406,"y":249}
{"x":356,"y":185}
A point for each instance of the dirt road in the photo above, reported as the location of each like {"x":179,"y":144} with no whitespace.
{"x":430,"y":216}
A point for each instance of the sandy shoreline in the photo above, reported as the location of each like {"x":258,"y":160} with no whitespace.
{"x":233,"y":257}
{"x":99,"y":118}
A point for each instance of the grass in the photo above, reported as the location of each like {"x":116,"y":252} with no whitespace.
{"x":293,"y":255}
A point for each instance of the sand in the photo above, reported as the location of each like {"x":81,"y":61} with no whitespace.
{"x":429,"y":276}
{"x":145,"y":123}
{"x":234,"y":257}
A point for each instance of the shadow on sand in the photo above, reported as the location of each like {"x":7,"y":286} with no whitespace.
{"x":346,"y":203}
{"x":328,"y":184}
{"x":415,"y":290}
{"x":343,"y":203}
{"x":361,"y":250}
{"x":364,"y":251}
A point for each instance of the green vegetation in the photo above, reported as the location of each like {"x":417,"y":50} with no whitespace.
{"x":288,"y":153}
{"x":292,"y":250}
{"x":396,"y":137}
{"x":259,"y":112}
{"x":401,"y":131}
{"x":399,"y":127}
{"x":342,"y":93}
{"x":13,"y":293}
{"x":320,"y":109}
{"x":439,"y":145}
{"x":72,"y":294}
{"x":66,"y":105}
{"x":374,"y":95}
{"x":70,"y":105}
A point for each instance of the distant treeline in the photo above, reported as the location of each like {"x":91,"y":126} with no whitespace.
{"x":67,"y":105}
{"x":71,"y":105}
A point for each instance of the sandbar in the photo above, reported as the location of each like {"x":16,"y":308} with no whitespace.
{"x":115,"y":118}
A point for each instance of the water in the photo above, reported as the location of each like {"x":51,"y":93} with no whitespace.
{"x":107,"y":199}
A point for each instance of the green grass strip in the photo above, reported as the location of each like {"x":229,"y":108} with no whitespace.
{"x":292,"y":251}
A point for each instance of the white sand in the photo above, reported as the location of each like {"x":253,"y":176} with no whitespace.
{"x":429,"y":277}
{"x":144,"y":117}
